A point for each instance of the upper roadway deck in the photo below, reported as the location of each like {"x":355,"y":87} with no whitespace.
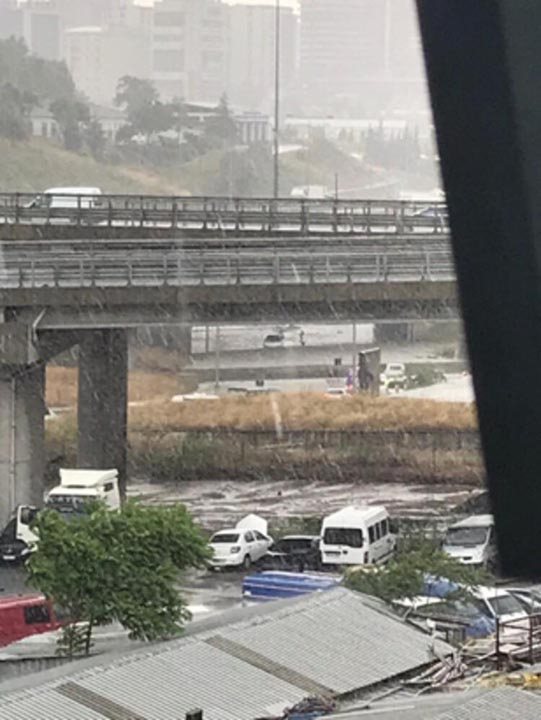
{"x":199,"y":260}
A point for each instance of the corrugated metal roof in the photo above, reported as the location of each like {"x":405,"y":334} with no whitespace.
{"x":336,"y":640}
{"x":500,"y":704}
{"x":477,"y":704}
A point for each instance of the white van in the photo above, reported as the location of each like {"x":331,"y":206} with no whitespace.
{"x":472,"y":541}
{"x":67,"y":198}
{"x":357,"y":535}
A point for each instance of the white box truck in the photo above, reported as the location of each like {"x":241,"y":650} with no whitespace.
{"x":76,"y":488}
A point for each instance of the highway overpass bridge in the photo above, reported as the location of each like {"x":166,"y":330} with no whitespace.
{"x":84,"y":273}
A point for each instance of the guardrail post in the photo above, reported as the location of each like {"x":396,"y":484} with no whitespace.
{"x":427,"y":267}
{"x":498,"y":659}
{"x":17,"y":208}
{"x":109,"y":213}
{"x":141,"y":212}
{"x":21,"y":278}
{"x":304,"y":220}
{"x":327,"y":270}
{"x":165,"y":269}
{"x":335,"y":216}
{"x":237,"y":215}
{"x":82,"y":273}
{"x":311,"y":270}
{"x":174,"y":218}
{"x":205,"y":215}
{"x":276,"y":269}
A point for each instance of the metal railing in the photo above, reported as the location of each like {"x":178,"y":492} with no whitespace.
{"x":521,"y":638}
{"x":211,"y":214}
{"x":102,"y":265}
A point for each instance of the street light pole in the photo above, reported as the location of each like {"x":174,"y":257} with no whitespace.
{"x":276,"y":99}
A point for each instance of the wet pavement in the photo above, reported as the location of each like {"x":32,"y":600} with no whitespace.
{"x":218,"y":504}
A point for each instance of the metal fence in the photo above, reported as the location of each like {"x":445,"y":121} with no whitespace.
{"x":288,"y":215}
{"x":104,"y":265}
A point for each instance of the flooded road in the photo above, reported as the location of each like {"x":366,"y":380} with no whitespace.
{"x":218,"y":504}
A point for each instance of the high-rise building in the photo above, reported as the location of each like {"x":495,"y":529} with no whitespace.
{"x":251,"y":53}
{"x":99,"y":56}
{"x":358,"y":48}
{"x":11,"y":19}
{"x":188,"y":49}
{"x":43,"y":29}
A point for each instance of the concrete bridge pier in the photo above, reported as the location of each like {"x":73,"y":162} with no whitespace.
{"x":102,"y":401}
{"x":22,"y":446}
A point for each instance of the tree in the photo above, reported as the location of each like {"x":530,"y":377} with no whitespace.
{"x":71,"y":114}
{"x":14,"y":108}
{"x":146,"y":114}
{"x":134,"y":93}
{"x":116,"y":566}
{"x":220,"y":128}
{"x":94,"y":138}
{"x":404,"y":575}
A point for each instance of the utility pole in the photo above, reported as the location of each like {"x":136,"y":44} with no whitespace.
{"x":276,"y":192}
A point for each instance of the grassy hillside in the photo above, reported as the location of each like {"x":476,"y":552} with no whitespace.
{"x":37,"y":165}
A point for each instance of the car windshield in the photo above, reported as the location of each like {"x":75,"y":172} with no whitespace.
{"x":352,"y":537}
{"x":505,"y":605}
{"x":466,"y":536}
{"x":273,"y":338}
{"x":224,"y":538}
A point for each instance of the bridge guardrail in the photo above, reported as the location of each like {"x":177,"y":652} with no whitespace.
{"x":177,"y":269}
{"x":285,"y":215}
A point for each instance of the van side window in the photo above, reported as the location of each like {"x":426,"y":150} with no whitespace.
{"x":371,"y":534}
{"x":108,"y":487}
{"x":378,"y":530}
{"x":384,"y":528}
{"x":34,"y":614}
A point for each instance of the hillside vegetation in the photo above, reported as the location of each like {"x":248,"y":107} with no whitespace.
{"x":36,"y":165}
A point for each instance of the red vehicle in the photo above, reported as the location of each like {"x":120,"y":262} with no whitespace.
{"x":25,"y":615}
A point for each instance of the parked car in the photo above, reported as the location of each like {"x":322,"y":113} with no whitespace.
{"x":463,"y":614}
{"x":529,"y":598}
{"x":337,"y":392}
{"x":293,"y":552}
{"x":241,"y":546}
{"x":500,"y":605}
{"x":394,"y":376}
{"x":472,"y":541}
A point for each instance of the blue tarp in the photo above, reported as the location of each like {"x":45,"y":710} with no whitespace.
{"x":275,"y":584}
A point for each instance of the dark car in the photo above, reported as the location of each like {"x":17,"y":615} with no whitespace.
{"x":293,"y":552}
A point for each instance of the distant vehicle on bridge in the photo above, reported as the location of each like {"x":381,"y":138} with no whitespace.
{"x":68,"y":198}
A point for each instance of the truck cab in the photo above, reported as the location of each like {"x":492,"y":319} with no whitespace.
{"x":76,"y":488}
